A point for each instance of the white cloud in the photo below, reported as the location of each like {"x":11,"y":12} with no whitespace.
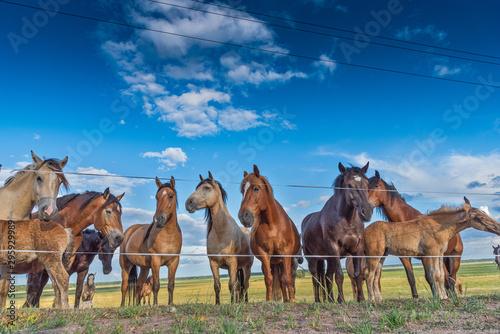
{"x":122,"y":121}
{"x":324,"y":198}
{"x":238,"y":119}
{"x":443,"y":70}
{"x":117,"y":185}
{"x":36,"y":136}
{"x":169,"y":157}
{"x":429,"y":30}
{"x":325,"y":66}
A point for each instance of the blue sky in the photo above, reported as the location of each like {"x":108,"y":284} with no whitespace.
{"x":127,"y":101}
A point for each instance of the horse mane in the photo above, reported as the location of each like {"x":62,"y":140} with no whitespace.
{"x":337,"y":184}
{"x":164,"y":185}
{"x":92,"y":195}
{"x":63,"y":201}
{"x":393,"y":194}
{"x":52,"y":164}
{"x":208,"y":211}
{"x":445,"y":209}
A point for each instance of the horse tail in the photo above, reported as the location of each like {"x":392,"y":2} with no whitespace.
{"x":299,"y":258}
{"x":276,"y":271}
{"x":68,"y":252}
{"x":132,"y":280}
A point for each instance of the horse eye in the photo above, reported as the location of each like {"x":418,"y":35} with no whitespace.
{"x":171,"y":196}
{"x":256,"y":189}
{"x":38,"y":179}
{"x":108,"y":211}
{"x":207,"y":188}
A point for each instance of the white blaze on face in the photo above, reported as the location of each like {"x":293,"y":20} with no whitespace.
{"x":357,"y":178}
{"x":163,"y":193}
{"x":247,"y":186}
{"x":53,"y":190}
{"x":118,"y":209}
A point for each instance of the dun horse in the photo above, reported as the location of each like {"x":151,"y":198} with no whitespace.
{"x":274,"y":237}
{"x":89,"y":288}
{"x":77,"y":212}
{"x":496,"y":252}
{"x":163,"y":236}
{"x":337,"y":231}
{"x":424,"y":236}
{"x":395,"y":209}
{"x":224,"y":238}
{"x":38,"y":184}
{"x":146,"y":290}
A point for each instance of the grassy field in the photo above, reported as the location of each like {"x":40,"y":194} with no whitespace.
{"x":478,"y":278}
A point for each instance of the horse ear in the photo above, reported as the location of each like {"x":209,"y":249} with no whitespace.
{"x":377,"y":174}
{"x":36,"y":159}
{"x":467,"y":204}
{"x":201,"y":178}
{"x":119,"y":198}
{"x":341,"y":168}
{"x":105,"y":195}
{"x":63,"y":162}
{"x":172,"y":182}
{"x":210,"y":176}
{"x":365,"y":169}
{"x":256,"y":170}
{"x":158,"y":182}
{"x":245,"y":174}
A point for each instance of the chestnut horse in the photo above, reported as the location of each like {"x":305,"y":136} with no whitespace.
{"x":224,"y":238}
{"x":274,"y":237}
{"x":163,"y":236}
{"x":77,"y":212}
{"x":38,"y":184}
{"x":424,"y":236}
{"x":496,"y":252}
{"x":393,"y":207}
{"x":337,"y":231}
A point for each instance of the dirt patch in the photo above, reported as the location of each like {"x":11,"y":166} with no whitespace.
{"x":469,"y":315}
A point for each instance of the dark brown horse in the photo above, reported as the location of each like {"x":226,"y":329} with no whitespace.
{"x":77,"y":212}
{"x":273,"y":233}
{"x":395,"y":209}
{"x":337,"y":231}
{"x":496,"y":252}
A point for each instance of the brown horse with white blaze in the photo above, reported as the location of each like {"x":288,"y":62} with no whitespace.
{"x":224,"y":238}
{"x":274,"y":237}
{"x":163,"y":236}
{"x":337,"y":231}
{"x":424,"y":236}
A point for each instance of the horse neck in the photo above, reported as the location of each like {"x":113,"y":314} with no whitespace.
{"x":397,"y":210}
{"x":220,"y":217}
{"x":76,"y":219}
{"x":451,"y":225}
{"x":170,"y":224}
{"x":337,"y":203}
{"x":17,"y":198}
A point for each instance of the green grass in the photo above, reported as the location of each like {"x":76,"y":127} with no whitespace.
{"x":478,"y":278}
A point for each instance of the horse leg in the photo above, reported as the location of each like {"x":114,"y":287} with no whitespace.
{"x":428,"y":274}
{"x":276,"y":287}
{"x":433,"y":273}
{"x":268,"y":276}
{"x":358,"y":275}
{"x":4,"y":285}
{"x":313,"y":264}
{"x":32,"y":288}
{"x":140,"y":283}
{"x":59,"y":276}
{"x":172,"y":269}
{"x":80,"y":279}
{"x":233,"y":280}
{"x":441,"y":278}
{"x":339,"y":279}
{"x":330,"y":270}
{"x":215,"y":272}
{"x":371,"y":271}
{"x":322,"y":279}
{"x":406,"y":261}
{"x":155,"y":270}
{"x":288,"y":280}
{"x":378,"y":275}
{"x":126,"y":267}
{"x":44,"y":278}
{"x":246,"y":280}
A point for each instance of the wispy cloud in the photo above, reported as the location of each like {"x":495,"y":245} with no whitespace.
{"x":429,"y":30}
{"x":443,"y":70}
{"x":169,"y":158}
{"x":36,"y":136}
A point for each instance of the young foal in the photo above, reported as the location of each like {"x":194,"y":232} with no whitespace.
{"x":89,"y":288}
{"x":163,"y":236}
{"x":146,"y":290}
{"x":224,"y":238}
{"x":337,"y":231}
{"x":425,"y":236}
{"x":273,"y":232}
{"x":496,"y":252}
{"x":38,"y":184}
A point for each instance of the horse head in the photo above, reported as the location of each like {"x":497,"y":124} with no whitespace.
{"x":257,"y":194}
{"x":105,"y":253}
{"x":166,"y":202}
{"x":46,"y":177}
{"x":208,"y":193}
{"x":108,"y":218}
{"x":479,"y":219}
{"x":376,"y":190}
{"x":353,"y":183}
{"x":90,"y":279}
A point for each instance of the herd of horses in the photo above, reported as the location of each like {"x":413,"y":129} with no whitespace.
{"x":56,"y":241}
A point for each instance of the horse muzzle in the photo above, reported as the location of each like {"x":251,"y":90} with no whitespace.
{"x":246,"y":218}
{"x":106,"y":269}
{"x":47,"y":208}
{"x":159,"y":220}
{"x":365,"y":213}
{"x":115,"y":238}
{"x":190,"y":205}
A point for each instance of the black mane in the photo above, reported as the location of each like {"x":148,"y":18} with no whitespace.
{"x":339,"y":181}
